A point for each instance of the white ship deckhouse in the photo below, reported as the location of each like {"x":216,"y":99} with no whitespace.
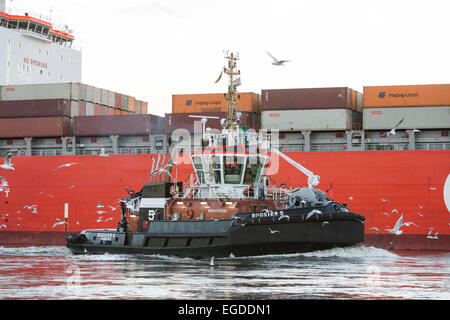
{"x":33,"y":52}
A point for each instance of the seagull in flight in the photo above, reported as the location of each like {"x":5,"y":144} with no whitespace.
{"x":273,"y":231}
{"x":277,"y":62}
{"x":284,"y":216}
{"x":7,"y":164}
{"x":173,"y":163}
{"x":103,"y":153}
{"x":59,"y":223}
{"x":313,"y":212}
{"x":66,"y":165}
{"x":392,"y":132}
{"x":3,"y":181}
{"x":32,"y":208}
{"x":374,"y":228}
{"x":430,"y":234}
{"x":161,"y":171}
{"x":396,"y":229}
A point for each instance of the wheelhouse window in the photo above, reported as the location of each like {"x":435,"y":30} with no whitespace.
{"x":233,"y":169}
{"x":253,"y":170}
{"x":234,"y":149}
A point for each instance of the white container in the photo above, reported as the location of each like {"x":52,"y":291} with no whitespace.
{"x":89,"y":109}
{"x":104,"y":97}
{"x":316,"y":120}
{"x":86,"y":92}
{"x":74,"y":109}
{"x":97,"y":95}
{"x":111,"y":99}
{"x":413,"y":118}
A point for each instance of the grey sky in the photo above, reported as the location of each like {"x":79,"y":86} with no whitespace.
{"x":153,"y":49}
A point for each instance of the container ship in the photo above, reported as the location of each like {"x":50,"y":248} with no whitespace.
{"x":69,"y":151}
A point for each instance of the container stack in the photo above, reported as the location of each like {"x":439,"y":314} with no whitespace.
{"x":48,"y":110}
{"x":184,"y":106}
{"x":317,"y":109}
{"x":122,"y":125}
{"x":420,"y":107}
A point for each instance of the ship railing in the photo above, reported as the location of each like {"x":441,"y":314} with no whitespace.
{"x":42,"y":152}
{"x":292,"y":148}
{"x":432,"y":146}
{"x":134,"y":151}
{"x":386,"y":147}
{"x":329,"y":147}
{"x":277,"y":193}
{"x":405,"y":146}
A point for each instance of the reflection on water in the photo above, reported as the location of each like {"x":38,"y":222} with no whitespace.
{"x":349,"y":273}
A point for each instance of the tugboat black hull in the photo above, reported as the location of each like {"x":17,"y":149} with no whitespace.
{"x":225,"y":238}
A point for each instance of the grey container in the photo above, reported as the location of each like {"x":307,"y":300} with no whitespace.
{"x":66,"y":91}
{"x":315,"y":120}
{"x":413,"y":118}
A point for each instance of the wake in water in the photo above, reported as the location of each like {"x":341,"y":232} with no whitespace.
{"x":34,"y":251}
{"x":353,"y":252}
{"x":341,"y":273}
{"x":347,"y":252}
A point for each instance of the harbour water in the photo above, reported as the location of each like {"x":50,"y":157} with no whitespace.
{"x":361,"y":273}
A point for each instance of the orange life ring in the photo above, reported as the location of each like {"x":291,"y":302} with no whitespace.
{"x":249,"y":191}
{"x":188,"y":213}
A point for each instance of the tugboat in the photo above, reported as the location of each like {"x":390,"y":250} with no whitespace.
{"x":231,"y":209}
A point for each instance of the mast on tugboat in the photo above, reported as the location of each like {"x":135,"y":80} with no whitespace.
{"x":231,"y":96}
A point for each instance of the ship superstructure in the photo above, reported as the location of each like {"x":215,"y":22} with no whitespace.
{"x":33,"y":51}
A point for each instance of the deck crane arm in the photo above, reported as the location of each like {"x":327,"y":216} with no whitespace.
{"x":313,"y":180}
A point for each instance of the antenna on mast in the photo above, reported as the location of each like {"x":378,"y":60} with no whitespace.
{"x":231,"y":96}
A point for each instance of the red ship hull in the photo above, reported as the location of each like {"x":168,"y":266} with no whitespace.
{"x":43,"y":202}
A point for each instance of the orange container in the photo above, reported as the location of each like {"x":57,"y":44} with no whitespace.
{"x":100,"y":110}
{"x":118,"y":98}
{"x":81,"y":108}
{"x":407,"y":96}
{"x":131,"y":104}
{"x":144,"y":107}
{"x":111,"y":111}
{"x":213,"y":102}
